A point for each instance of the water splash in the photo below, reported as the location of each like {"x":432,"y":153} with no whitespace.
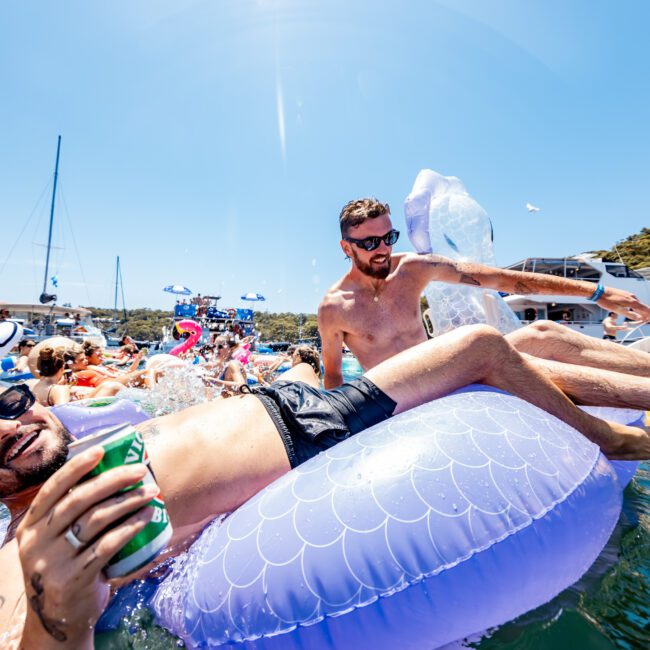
{"x":179,"y":388}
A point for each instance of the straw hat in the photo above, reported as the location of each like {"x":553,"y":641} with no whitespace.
{"x":53,"y":342}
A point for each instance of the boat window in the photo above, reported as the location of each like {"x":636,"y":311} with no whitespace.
{"x":586,"y":272}
{"x":530,"y":314}
{"x":621,"y":271}
{"x":548,"y":267}
{"x":563,"y":268}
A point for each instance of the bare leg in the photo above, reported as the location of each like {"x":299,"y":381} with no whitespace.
{"x":555,"y":342}
{"x":301,"y":372}
{"x":479,"y":353}
{"x":595,"y":387}
{"x":108,"y":389}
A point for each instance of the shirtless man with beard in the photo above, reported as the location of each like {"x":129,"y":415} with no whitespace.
{"x":375,"y":309}
{"x":211,"y":458}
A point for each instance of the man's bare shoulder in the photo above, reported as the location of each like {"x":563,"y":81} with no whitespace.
{"x":411,"y":260}
{"x":329,"y":311}
{"x":335,"y":297}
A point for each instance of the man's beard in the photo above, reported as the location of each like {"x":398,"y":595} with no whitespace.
{"x":380,"y":273}
{"x":49,"y":461}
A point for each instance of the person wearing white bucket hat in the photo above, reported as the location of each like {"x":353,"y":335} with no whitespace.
{"x":10,"y":333}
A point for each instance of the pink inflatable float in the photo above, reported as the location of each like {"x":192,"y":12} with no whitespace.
{"x":195,"y":333}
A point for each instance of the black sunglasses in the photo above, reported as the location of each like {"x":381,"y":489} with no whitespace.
{"x":372,"y":243}
{"x":16,"y":401}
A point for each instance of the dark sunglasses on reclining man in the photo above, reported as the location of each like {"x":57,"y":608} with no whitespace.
{"x":15,"y":401}
{"x":372,"y":243}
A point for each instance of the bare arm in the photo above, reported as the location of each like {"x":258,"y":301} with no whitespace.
{"x":136,"y":362}
{"x":443,"y":269}
{"x":332,"y":342}
{"x":268,"y":373}
{"x":59,"y":395}
{"x":615,"y":327}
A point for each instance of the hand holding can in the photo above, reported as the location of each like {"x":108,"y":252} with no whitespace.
{"x":65,"y":583}
{"x":125,"y":446}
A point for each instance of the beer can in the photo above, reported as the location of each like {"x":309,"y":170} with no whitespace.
{"x":124,"y":445}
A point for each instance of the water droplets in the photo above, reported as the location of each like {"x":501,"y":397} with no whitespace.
{"x":179,"y":388}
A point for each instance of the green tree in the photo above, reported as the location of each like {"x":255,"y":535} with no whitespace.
{"x":635,"y":250}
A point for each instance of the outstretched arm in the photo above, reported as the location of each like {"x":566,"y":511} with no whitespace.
{"x":332,"y":343}
{"x":443,"y":269}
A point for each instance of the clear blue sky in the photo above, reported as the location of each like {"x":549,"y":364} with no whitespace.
{"x":213,"y":143}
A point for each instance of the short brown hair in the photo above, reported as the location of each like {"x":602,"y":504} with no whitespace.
{"x":355,"y":212}
{"x":89,"y":347}
{"x":308,"y":355}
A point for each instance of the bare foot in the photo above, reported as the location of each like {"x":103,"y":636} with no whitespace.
{"x":628,"y":443}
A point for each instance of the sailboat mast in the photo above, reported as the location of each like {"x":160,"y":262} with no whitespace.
{"x":49,"y":236}
{"x":122,"y":290}
{"x":117,"y":275}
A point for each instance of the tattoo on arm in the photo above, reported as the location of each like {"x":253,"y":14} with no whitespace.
{"x":468,"y":279}
{"x":149,"y":430}
{"x":2,"y":601}
{"x":37,"y":603}
{"x":523,"y":287}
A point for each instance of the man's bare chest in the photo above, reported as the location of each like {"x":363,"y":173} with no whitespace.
{"x":382,"y":312}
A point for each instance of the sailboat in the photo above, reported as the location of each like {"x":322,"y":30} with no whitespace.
{"x":45,"y":318}
{"x":115,"y":321}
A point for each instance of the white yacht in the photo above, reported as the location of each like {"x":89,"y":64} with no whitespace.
{"x":579,"y":313}
{"x":42,"y":321}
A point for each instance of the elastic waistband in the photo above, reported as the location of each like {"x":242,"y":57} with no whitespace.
{"x":275,"y":415}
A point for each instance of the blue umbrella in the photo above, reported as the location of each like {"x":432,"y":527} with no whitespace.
{"x":178,"y":289}
{"x":253,"y":297}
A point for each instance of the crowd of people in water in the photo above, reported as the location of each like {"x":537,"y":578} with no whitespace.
{"x":66,"y":371}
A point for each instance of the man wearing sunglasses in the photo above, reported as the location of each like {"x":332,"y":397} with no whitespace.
{"x":375,"y":307}
{"x":211,"y":458}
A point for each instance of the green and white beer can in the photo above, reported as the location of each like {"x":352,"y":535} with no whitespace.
{"x":124,"y":445}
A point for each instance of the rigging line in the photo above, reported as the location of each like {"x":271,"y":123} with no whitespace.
{"x":620,"y":259}
{"x":122,"y":288}
{"x":74,"y":242}
{"x":20,"y":234}
{"x":36,"y":271}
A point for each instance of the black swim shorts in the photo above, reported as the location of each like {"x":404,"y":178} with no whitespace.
{"x":310,"y":420}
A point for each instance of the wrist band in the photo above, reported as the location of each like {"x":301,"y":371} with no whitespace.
{"x":598,"y":294}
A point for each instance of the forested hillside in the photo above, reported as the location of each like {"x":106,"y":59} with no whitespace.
{"x":635,"y":250}
{"x":147,"y":324}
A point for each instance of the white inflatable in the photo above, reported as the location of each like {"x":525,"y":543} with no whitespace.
{"x":10,"y":333}
{"x":444,"y":219}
